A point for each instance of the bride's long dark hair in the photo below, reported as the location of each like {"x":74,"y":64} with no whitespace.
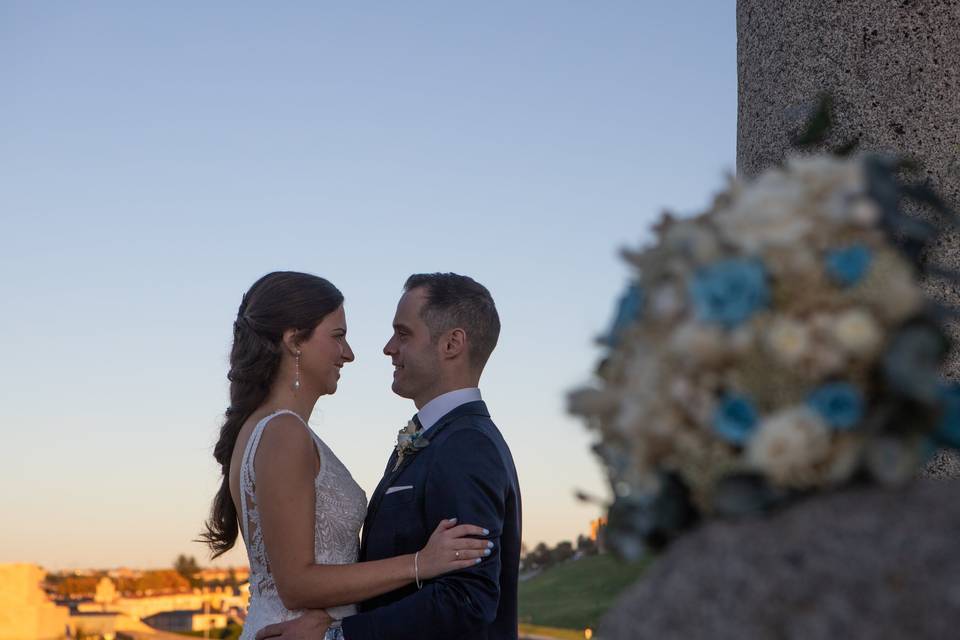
{"x":276,"y":302}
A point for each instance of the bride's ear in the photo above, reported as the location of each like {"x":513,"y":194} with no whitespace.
{"x":291,"y":341}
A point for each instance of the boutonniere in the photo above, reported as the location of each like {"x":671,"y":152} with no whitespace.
{"x":409,"y":442}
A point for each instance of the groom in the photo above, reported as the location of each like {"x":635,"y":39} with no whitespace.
{"x":444,"y":330}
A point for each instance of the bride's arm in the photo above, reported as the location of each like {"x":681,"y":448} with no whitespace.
{"x":286,"y":465}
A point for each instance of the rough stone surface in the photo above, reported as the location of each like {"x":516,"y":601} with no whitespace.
{"x":945,"y":464}
{"x":862,"y":563}
{"x":893,"y":69}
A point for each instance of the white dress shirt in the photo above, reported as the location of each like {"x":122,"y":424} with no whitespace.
{"x":444,"y":404}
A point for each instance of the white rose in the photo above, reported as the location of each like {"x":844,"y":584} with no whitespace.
{"x":788,"y":339}
{"x":857,"y":332}
{"x":697,"y":343}
{"x":864,"y":212}
{"x":769,"y":213}
{"x":692,"y":241}
{"x":837,"y":186}
{"x":788,"y":445}
{"x":822,"y":173}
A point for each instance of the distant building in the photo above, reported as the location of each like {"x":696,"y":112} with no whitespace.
{"x":84,"y":573}
{"x":106,"y":591}
{"x":239,"y":574}
{"x":187,"y":620}
{"x":598,"y":533}
{"x":107,"y":600}
{"x":124,"y":573}
{"x":25,"y":610}
{"x":102,"y":625}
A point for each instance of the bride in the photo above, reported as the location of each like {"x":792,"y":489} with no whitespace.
{"x":299,"y":508}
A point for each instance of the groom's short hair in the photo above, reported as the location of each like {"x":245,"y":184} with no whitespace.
{"x":455,"y":301}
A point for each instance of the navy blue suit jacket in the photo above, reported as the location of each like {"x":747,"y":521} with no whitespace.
{"x":466,"y":472}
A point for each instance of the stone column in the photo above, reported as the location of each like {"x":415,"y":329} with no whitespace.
{"x":892,"y":66}
{"x":893,"y":70}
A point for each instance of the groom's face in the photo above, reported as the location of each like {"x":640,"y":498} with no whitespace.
{"x":415,"y":356}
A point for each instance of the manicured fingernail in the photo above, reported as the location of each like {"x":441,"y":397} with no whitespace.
{"x":486,"y":532}
{"x":477,"y":561}
{"x":486,"y":552}
{"x":453,"y":519}
{"x":489,"y":545}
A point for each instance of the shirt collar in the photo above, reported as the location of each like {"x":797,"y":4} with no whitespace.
{"x":443,"y":404}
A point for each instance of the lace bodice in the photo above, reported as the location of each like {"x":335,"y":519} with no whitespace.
{"x":341,"y":506}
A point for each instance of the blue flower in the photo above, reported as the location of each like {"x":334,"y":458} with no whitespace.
{"x":735,"y":419}
{"x":628,"y":310}
{"x":730,"y":291}
{"x":849,"y":265}
{"x":840,"y":404}
{"x":948,"y":429}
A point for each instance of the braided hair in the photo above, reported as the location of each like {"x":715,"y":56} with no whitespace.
{"x":276,"y":302}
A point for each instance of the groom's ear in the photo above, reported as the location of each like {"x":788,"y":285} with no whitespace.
{"x":454,"y":343}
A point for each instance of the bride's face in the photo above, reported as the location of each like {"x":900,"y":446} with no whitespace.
{"x":325,"y":353}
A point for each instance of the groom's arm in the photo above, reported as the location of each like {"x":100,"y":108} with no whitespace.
{"x":468,"y":481}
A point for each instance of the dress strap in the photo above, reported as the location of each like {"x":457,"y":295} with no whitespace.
{"x":248,"y":476}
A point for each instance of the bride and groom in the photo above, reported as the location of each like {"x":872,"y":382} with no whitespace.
{"x":439,"y":553}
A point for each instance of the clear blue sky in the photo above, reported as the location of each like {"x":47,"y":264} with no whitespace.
{"x":158,"y":157}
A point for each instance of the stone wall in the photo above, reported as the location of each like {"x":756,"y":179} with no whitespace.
{"x":25,"y":610}
{"x":874,"y":563}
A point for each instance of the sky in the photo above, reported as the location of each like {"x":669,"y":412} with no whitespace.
{"x":157,"y":158}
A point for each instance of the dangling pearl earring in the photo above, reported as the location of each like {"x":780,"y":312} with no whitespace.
{"x":296,"y":381}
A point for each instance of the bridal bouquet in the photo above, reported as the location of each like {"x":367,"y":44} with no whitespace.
{"x":775,"y":345}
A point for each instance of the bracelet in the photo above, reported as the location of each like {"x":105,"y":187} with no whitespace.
{"x":416,"y":569}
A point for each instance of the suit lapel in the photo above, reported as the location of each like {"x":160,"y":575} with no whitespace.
{"x":375,"y":502}
{"x":470,"y":408}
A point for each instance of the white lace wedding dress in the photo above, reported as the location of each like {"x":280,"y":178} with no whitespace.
{"x":340,"y":509}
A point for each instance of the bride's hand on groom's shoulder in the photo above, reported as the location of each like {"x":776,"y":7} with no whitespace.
{"x":450,"y":549}
{"x":310,"y":626}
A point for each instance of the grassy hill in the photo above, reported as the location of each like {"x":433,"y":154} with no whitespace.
{"x":575,"y":595}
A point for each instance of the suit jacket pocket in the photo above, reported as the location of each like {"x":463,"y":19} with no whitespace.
{"x":398,"y":498}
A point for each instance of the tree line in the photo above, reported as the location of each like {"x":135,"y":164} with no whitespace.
{"x":182,"y":577}
{"x":543,"y":557}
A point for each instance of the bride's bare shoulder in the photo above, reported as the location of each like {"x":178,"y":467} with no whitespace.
{"x":284,"y":434}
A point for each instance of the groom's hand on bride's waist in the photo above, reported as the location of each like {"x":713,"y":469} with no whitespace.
{"x":310,"y":626}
